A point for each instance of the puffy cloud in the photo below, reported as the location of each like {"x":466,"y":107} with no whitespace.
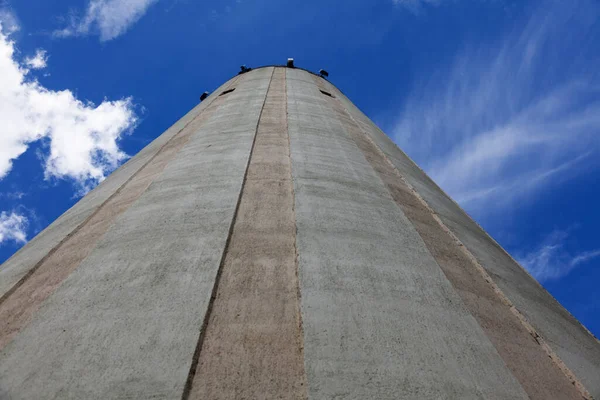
{"x":38,"y":61}
{"x":82,"y":137}
{"x":13,"y":227}
{"x":108,"y":18}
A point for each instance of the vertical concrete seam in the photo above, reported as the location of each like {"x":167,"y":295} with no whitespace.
{"x":474,"y":222}
{"x":19,"y":309}
{"x":194,"y":365}
{"x":504,"y":299}
{"x":54,"y":249}
{"x":296,"y":254}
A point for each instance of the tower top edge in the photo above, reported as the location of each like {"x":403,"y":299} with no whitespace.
{"x":284,"y":66}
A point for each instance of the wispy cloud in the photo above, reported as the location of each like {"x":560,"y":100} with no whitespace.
{"x":8,"y":19}
{"x":506,"y":121}
{"x":417,"y":5}
{"x":107,"y":18}
{"x":551,"y":259}
{"x":81,"y":137}
{"x":17,"y":195}
{"x":13,"y":227}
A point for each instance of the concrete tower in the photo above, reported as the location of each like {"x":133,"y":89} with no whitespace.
{"x":274,"y":243}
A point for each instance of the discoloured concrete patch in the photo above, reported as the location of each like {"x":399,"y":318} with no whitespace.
{"x":18,"y":308}
{"x":574,"y":348}
{"x":201,"y":269}
{"x":380,"y":319}
{"x":125,"y":323}
{"x":529,"y":363}
{"x":252,"y":347}
{"x":20,"y":266}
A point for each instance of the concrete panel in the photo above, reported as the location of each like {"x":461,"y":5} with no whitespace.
{"x":125,"y":324}
{"x":380,"y":319}
{"x":17,"y":309}
{"x":570,"y":341}
{"x":169,"y":280}
{"x":517,"y":347}
{"x":252,"y":348}
{"x":15,"y":269}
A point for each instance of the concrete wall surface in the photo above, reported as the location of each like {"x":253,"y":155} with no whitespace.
{"x":575,"y":346}
{"x":274,"y":243}
{"x":380,"y":319}
{"x":125,"y":323}
{"x":23,"y":261}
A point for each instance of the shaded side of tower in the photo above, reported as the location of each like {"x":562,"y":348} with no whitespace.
{"x":274,"y":243}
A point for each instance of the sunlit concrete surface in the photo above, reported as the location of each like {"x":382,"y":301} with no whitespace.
{"x":274,"y":243}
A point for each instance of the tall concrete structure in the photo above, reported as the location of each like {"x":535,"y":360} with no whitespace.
{"x":274,"y":243}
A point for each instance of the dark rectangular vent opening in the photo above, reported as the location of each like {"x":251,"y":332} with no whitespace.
{"x":326,"y":93}
{"x":227,"y":91}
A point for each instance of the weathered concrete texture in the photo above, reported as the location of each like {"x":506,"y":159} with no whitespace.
{"x":575,"y":346}
{"x":15,"y":269}
{"x":125,"y":324}
{"x":20,"y":305}
{"x":240,"y":257}
{"x":518,"y":349}
{"x":253,"y":343}
{"x":381,"y":321}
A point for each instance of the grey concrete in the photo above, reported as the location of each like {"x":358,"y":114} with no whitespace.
{"x":126,"y":322}
{"x":576,"y":347}
{"x":17,"y":309}
{"x":15,"y":268}
{"x":513,"y":341}
{"x":252,"y":347}
{"x":380,"y":319}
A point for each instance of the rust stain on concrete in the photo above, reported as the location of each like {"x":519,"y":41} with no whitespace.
{"x":17,"y":308}
{"x":539,"y":371}
{"x":252,"y":345}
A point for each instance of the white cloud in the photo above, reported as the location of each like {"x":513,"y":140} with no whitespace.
{"x":550,"y":260}
{"x":13,"y":227}
{"x":108,"y":18}
{"x":81,"y":137}
{"x":38,"y":61}
{"x":505,"y":122}
{"x":8,"y":20}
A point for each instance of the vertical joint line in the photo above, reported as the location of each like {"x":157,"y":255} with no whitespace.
{"x":54,"y":249}
{"x":296,"y":263}
{"x":194,"y":366}
{"x":502,"y":296}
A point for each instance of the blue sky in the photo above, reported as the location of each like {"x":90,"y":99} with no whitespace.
{"x":499,"y":101}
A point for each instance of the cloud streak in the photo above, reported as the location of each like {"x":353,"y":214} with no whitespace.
{"x":107,"y":18}
{"x":416,"y":5}
{"x":505,"y":122}
{"x":80,"y":139}
{"x":551,"y":260}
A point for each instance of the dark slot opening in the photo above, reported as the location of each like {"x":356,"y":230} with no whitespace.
{"x":326,"y":93}
{"x":227,"y":91}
